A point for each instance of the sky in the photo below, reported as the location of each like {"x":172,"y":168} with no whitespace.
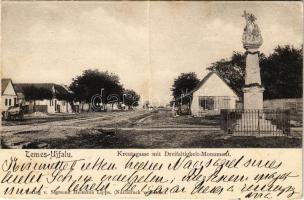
{"x":147,"y":44}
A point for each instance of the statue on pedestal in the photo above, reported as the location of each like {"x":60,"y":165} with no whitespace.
{"x":252,"y":38}
{"x":253,"y":120}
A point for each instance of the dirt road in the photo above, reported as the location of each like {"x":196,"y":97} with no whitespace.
{"x":19,"y":136}
{"x":132,"y":129}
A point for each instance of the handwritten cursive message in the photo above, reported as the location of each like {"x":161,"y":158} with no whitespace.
{"x":151,"y":173}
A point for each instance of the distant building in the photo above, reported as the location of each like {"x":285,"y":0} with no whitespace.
{"x":211,"y":95}
{"x":57,"y":104}
{"x":8,"y":94}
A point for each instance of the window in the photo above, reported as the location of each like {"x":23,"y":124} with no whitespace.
{"x":214,"y":102}
{"x":6,"y":102}
{"x":207,"y":103}
{"x":9,"y":102}
{"x":15,"y":101}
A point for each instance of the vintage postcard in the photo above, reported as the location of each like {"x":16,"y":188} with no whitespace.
{"x":151,"y":99}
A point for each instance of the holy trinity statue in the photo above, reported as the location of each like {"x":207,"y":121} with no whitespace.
{"x":252,"y":38}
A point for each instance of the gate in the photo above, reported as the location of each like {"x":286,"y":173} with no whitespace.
{"x":255,"y":122}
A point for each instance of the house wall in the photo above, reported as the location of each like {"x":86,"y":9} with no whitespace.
{"x":55,"y":105}
{"x":84,"y":107}
{"x":8,"y":98}
{"x":20,"y":99}
{"x":112,"y":107}
{"x":214,"y":86}
{"x":7,"y":101}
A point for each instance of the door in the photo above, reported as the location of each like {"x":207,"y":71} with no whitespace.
{"x":58,"y":108}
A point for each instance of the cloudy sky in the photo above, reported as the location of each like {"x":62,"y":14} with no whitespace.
{"x":147,"y":44}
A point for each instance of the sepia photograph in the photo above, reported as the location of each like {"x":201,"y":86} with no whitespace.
{"x":151,"y":75}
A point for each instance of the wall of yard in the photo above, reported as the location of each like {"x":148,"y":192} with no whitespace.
{"x":294,"y":105}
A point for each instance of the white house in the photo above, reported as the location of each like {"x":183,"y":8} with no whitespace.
{"x":211,"y":95}
{"x":57,"y":104}
{"x":8,"y":94}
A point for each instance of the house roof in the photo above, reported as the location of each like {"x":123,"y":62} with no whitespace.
{"x":49,"y":86}
{"x":61,"y":89}
{"x":204,"y":80}
{"x":20,"y":95}
{"x":19,"y":86}
{"x":4,"y":84}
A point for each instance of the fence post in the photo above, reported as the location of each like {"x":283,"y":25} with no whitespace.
{"x":287,"y":123}
{"x":259,"y":122}
{"x":227,"y":122}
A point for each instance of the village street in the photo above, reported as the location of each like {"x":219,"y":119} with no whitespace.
{"x":18,"y":134}
{"x":131,"y":129}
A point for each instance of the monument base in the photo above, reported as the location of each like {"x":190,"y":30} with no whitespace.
{"x":254,"y":123}
{"x":253,"y":98}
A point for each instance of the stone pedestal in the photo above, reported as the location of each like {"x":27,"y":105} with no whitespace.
{"x":253,"y":90}
{"x":252,"y":67}
{"x":253,"y":98}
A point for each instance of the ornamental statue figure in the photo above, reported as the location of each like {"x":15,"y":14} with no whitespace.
{"x":252,"y":38}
